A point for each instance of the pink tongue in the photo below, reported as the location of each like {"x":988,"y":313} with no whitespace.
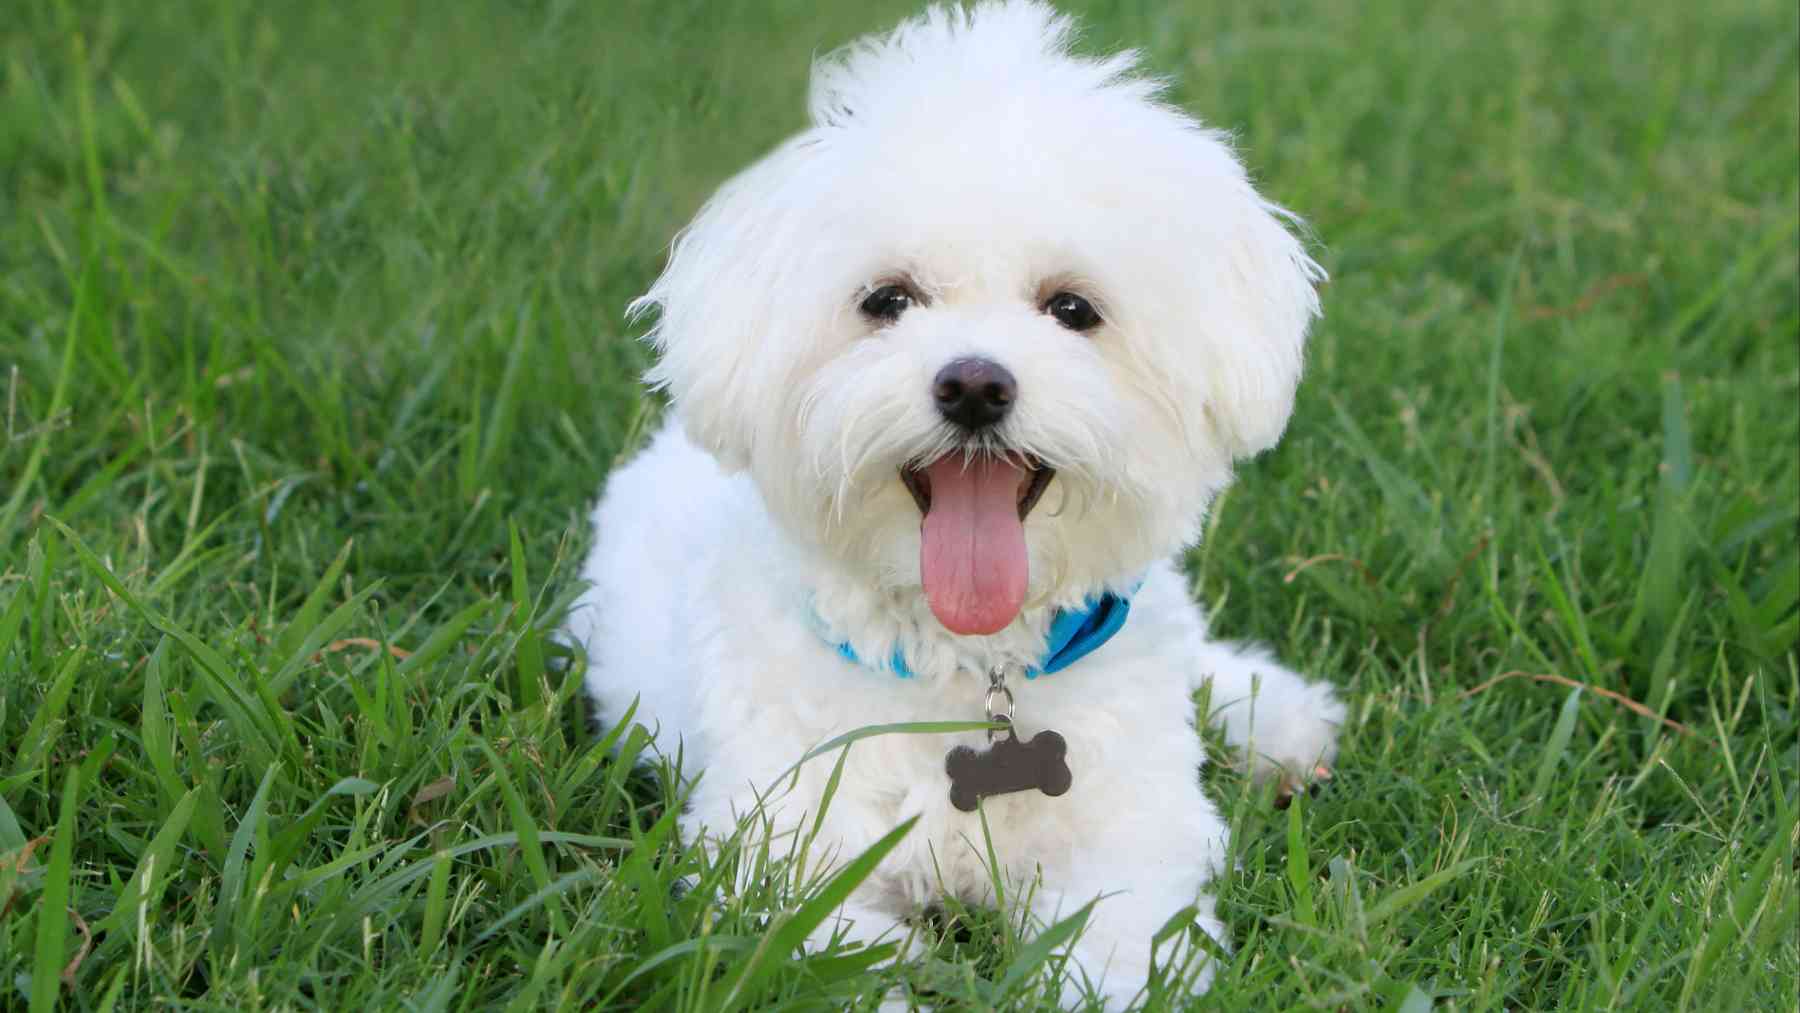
{"x":972,"y":557}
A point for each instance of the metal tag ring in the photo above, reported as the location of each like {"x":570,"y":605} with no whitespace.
{"x":1003,"y":693}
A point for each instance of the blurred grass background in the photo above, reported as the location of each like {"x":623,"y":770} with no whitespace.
{"x":312,"y":356}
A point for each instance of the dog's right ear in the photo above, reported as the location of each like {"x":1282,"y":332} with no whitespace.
{"x":716,"y":303}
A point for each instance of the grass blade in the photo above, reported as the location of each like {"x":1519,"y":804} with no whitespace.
{"x":529,"y":654}
{"x":154,"y":733}
{"x":315,"y":638}
{"x":1405,"y":897}
{"x":52,"y":909}
{"x":12,"y":836}
{"x":307,"y":615}
{"x":676,"y":951}
{"x":870,"y":731}
{"x":231,"y":882}
{"x":1033,"y":954}
{"x":371,"y":894}
{"x":538,"y":898}
{"x":442,"y":639}
{"x":143,"y":890}
{"x":436,"y":906}
{"x":792,"y":930}
{"x":59,"y":399}
{"x":42,"y":730}
{"x":1557,"y":745}
{"x":11,"y":618}
{"x":1298,"y":872}
{"x":526,"y":828}
{"x":241,"y":708}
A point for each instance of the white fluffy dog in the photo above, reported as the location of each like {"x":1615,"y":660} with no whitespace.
{"x":957,"y":371}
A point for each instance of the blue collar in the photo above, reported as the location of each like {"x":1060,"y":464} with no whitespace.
{"x":1074,"y":634}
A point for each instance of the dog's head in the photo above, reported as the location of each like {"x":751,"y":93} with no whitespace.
{"x":994,"y":328}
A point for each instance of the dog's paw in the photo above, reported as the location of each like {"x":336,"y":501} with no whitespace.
{"x":1292,"y":785}
{"x":1296,"y":740}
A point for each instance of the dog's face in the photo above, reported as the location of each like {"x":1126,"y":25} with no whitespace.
{"x":995,"y":327}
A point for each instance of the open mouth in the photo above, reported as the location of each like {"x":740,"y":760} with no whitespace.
{"x":1036,"y":479}
{"x":973,"y":557}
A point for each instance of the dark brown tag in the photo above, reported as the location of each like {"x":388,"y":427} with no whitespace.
{"x":1007,"y":766}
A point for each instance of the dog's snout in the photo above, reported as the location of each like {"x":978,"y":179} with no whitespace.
{"x":974,"y":393}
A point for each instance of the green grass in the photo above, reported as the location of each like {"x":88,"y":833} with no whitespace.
{"x":311,"y":357}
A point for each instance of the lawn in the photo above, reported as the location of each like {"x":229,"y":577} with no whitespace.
{"x":312,"y":357}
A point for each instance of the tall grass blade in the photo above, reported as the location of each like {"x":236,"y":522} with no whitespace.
{"x":1557,"y":746}
{"x":53,"y":904}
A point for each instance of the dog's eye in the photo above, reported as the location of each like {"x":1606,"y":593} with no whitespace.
{"x":1072,"y":311}
{"x":887,"y":303}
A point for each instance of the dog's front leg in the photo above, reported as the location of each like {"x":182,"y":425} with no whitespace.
{"x":1149,"y":845}
{"x":1112,"y":956}
{"x":1282,"y":724}
{"x":868,"y":921}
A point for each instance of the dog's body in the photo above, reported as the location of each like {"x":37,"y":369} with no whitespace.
{"x":923,"y":307}
{"x":701,"y":611}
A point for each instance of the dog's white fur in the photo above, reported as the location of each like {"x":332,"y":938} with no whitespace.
{"x":970,"y":153}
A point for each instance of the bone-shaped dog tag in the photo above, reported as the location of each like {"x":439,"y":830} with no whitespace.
{"x":1008,"y":766}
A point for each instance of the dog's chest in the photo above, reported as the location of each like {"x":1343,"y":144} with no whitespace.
{"x":1126,"y":720}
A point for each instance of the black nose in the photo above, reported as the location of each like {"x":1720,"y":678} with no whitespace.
{"x":974,"y":393}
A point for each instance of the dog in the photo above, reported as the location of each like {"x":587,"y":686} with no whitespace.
{"x":954,"y":375}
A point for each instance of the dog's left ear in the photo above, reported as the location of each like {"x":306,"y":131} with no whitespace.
{"x":715,"y":306}
{"x":1256,"y":297}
